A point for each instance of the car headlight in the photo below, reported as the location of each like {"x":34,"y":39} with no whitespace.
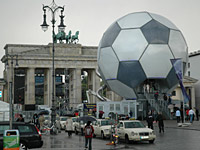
{"x":152,"y":133}
{"x":106,"y":130}
{"x":134,"y":133}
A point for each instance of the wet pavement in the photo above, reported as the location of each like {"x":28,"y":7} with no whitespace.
{"x":174,"y":138}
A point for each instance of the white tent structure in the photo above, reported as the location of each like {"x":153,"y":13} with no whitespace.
{"x":4,"y":111}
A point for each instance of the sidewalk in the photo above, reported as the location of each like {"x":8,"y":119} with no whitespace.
{"x":173,"y":124}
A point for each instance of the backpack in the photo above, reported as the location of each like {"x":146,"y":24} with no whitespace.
{"x":88,"y":130}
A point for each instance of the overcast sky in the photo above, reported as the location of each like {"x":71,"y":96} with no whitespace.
{"x":21,"y":19}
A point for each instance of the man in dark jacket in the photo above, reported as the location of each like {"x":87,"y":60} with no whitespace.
{"x":159,"y":119}
{"x":20,"y":119}
{"x":150,"y":120}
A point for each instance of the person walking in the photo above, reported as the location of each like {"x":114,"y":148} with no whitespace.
{"x":187,"y":114}
{"x":160,"y":121}
{"x":69,"y":126}
{"x":156,"y":96}
{"x":178,"y":115}
{"x":41,"y":121}
{"x":197,"y":114}
{"x":35,"y":121}
{"x":150,"y":120}
{"x":191,"y":114}
{"x":20,"y":119}
{"x":89,"y":130}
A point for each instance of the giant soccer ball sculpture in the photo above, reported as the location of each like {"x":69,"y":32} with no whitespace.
{"x":138,"y":48}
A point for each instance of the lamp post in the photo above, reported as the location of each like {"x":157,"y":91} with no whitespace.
{"x":53,"y":8}
{"x":12,"y":57}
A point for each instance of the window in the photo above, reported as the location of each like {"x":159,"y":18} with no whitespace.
{"x":174,"y":93}
{"x":111,"y":107}
{"x":3,"y":128}
{"x":188,"y":65}
{"x":189,"y":73}
{"x":117,"y":107}
{"x":23,"y":129}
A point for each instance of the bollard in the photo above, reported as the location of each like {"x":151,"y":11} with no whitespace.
{"x":11,"y":140}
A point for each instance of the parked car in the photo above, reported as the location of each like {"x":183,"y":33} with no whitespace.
{"x":62,"y":122}
{"x":30,"y":136}
{"x":134,"y":130}
{"x":103,"y":128}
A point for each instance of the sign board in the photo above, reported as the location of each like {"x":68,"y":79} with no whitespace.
{"x":0,"y":93}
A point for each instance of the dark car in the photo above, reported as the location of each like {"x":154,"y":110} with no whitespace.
{"x":30,"y":136}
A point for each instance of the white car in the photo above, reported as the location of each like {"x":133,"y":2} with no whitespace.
{"x":103,"y":128}
{"x":134,"y":130}
{"x":62,"y":121}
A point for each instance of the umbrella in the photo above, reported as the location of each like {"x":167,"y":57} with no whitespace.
{"x":44,"y":112}
{"x":85,"y":119}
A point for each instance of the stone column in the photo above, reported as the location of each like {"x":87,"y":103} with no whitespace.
{"x":75,"y":87}
{"x":48,"y":87}
{"x":93,"y":84}
{"x":30,"y":86}
{"x":193,"y":97}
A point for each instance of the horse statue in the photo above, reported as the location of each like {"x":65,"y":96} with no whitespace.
{"x":60,"y":36}
{"x":75,"y":38}
{"x":68,"y":37}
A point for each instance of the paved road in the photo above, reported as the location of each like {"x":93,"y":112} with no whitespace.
{"x":174,"y":138}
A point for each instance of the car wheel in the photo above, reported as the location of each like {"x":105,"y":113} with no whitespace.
{"x":76,"y":132}
{"x":127,"y":139}
{"x":151,"y":141}
{"x":23,"y":146}
{"x":102,"y":135}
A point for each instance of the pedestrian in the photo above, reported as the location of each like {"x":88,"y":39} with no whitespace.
{"x":165,"y":97}
{"x":182,"y":116}
{"x":150,"y":120}
{"x":169,"y":100}
{"x":41,"y":121}
{"x":178,"y":115}
{"x":148,"y":88}
{"x":131,"y":114}
{"x":35,"y":120}
{"x":69,"y":126}
{"x":156,"y":96}
{"x":187,"y":114}
{"x":20,"y":118}
{"x":197,"y":114}
{"x":191,"y":114}
{"x":89,"y":130}
{"x":160,"y":121}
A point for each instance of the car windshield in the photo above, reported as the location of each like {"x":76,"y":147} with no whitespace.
{"x":107,"y":122}
{"x":134,"y":125}
{"x":63,"y":119}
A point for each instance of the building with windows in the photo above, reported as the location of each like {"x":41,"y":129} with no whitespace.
{"x":194,"y":72}
{"x":28,"y":72}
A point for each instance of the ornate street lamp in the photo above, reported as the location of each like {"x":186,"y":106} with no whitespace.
{"x":53,"y":8}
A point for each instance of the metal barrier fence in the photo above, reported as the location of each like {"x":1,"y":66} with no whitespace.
{"x":28,"y":115}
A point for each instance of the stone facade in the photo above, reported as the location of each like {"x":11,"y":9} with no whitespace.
{"x":73,"y":57}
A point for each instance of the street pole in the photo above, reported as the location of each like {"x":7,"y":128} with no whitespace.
{"x":11,"y":87}
{"x":53,"y":8}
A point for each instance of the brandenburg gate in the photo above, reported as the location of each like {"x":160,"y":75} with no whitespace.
{"x":29,"y":69}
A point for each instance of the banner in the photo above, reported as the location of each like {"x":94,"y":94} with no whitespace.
{"x":177,"y":64}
